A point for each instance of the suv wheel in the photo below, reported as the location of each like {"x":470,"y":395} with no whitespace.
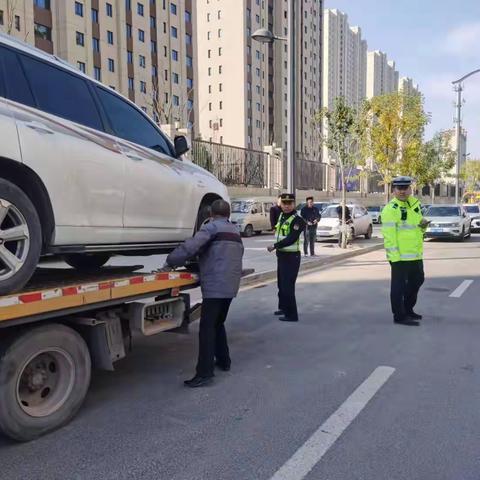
{"x":87,"y":262}
{"x":20,"y":238}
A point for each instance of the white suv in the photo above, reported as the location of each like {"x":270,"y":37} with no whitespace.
{"x":84,"y":173}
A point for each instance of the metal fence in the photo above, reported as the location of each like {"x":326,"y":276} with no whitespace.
{"x":311,"y":175}
{"x":236,"y":166}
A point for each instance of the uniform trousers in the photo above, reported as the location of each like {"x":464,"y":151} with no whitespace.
{"x":212,"y":336}
{"x":288,"y":265}
{"x":407,"y":278}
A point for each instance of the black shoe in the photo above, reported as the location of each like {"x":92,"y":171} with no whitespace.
{"x":278,"y":312}
{"x":223,"y":368}
{"x":414,"y":316}
{"x":197,"y":381}
{"x":286,"y":319}
{"x":405,"y":321}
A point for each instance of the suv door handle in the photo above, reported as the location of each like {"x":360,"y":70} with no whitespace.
{"x":39,"y":127}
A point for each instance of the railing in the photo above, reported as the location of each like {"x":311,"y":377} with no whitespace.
{"x":236,"y":166}
{"x":311,"y":175}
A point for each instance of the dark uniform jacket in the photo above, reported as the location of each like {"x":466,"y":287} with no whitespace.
{"x":298,"y":225}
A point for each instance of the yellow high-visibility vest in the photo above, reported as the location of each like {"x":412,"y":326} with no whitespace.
{"x":283,"y":230}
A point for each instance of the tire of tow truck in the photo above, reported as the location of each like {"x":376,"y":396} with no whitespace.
{"x":44,"y":377}
{"x":84,"y":262}
{"x":17,"y":211}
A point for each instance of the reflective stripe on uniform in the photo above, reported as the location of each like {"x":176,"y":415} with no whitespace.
{"x":406,"y":226}
{"x":388,"y":224}
{"x":392,"y":249}
{"x":409,"y":256}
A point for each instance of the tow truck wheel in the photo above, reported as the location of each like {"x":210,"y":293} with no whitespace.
{"x":87,"y":262}
{"x":44,"y":374}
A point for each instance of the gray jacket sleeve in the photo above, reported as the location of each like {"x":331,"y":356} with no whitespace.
{"x":192,"y":246}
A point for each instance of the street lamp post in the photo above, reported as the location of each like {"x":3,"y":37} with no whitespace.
{"x":458,"y":87}
{"x":264,"y":35}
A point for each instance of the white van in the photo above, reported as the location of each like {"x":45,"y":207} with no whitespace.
{"x":252,"y":215}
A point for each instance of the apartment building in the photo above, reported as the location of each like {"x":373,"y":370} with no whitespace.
{"x":382,"y":76}
{"x":144,"y":49}
{"x":407,"y":86}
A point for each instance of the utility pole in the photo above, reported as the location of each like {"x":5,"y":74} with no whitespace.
{"x":458,"y":133}
{"x":291,"y":158}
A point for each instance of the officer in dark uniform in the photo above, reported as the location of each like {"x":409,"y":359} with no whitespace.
{"x":288,"y":230}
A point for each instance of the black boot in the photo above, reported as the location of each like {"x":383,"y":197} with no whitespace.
{"x":198,"y":381}
{"x":405,"y":321}
{"x":287,"y":319}
{"x":278,"y":312}
{"x":414,"y":316}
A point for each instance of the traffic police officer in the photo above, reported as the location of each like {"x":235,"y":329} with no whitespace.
{"x":403,"y":228}
{"x":288,"y":230}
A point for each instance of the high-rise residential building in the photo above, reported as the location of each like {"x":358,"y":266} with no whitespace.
{"x":144,"y":49}
{"x":344,"y":60}
{"x":407,"y":86}
{"x":251,"y":82}
{"x":382,"y":77}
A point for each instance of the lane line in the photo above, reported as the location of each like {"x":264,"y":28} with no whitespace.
{"x":461,"y":289}
{"x":312,"y":451}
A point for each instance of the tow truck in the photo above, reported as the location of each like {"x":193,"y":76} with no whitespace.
{"x":64,"y":324}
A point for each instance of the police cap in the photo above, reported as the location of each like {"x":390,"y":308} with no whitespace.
{"x":402,"y":181}
{"x":287,"y":197}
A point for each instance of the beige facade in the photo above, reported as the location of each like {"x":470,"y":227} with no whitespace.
{"x":382,"y":76}
{"x":143,"y":49}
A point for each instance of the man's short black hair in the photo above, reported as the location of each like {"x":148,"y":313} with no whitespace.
{"x":309,"y":198}
{"x":220,"y":208}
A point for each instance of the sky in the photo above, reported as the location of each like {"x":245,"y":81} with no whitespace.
{"x":432,"y":41}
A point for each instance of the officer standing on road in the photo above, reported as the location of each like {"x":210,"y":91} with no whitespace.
{"x":311,"y":215}
{"x":403,"y":227}
{"x":288,"y":230}
{"x":220,"y":251}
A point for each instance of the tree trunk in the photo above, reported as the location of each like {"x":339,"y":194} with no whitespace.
{"x":432,"y":193}
{"x":343,"y":229}
{"x":387,"y":193}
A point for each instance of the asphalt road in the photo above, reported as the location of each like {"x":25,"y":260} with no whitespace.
{"x":291,"y":384}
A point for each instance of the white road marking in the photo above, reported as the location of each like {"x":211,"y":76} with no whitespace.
{"x":312,"y":451}
{"x":257,"y":249}
{"x":461,"y":289}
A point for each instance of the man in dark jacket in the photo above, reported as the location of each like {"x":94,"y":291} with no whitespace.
{"x":220,"y":250}
{"x":311,"y":215}
{"x":275,"y":213}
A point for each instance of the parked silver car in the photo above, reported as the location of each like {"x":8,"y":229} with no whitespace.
{"x":329,"y":225}
{"x":448,"y":221}
{"x":473,"y":211}
{"x":375,"y":212}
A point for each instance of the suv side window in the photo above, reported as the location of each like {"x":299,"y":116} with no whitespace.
{"x":16,"y":85}
{"x":61,"y":93}
{"x":128,"y":123}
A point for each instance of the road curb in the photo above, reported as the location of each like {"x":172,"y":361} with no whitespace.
{"x":270,"y":275}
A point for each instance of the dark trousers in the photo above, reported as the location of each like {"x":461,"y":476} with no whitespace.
{"x":407,"y":278}
{"x":212,"y":336}
{"x":288,"y":265}
{"x":310,"y":235}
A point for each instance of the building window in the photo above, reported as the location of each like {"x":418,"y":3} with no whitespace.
{"x":257,"y":18}
{"x":208,"y":17}
{"x":209,"y":89}
{"x":220,"y":69}
{"x":131,"y":85}
{"x":209,"y":34}
{"x":189,"y":61}
{"x":219,"y":51}
{"x":109,"y":9}
{"x":173,"y":8}
{"x":153,"y":22}
{"x":174,"y":32}
{"x":43,"y":4}
{"x":17,"y":23}
{"x":1,"y":17}
{"x":189,"y":83}
{"x":128,"y":4}
{"x":209,"y":53}
{"x":153,"y":46}
{"x":129,"y":31}
{"x":174,"y":55}
{"x":111,"y":65}
{"x":80,"y":38}
{"x":175,"y":77}
{"x":220,"y":87}
{"x":176,"y":100}
{"x":110,"y":37}
{"x":140,"y":9}
{"x":154,"y":71}
{"x":220,"y":105}
{"x":209,"y":71}
{"x":188,"y":16}
{"x":96,"y":44}
{"x":97,"y":73}
{"x":129,"y":57}
{"x":210,"y":106}
{"x":141,"y":35}
{"x":94,"y":15}
{"x":141,"y":61}
{"x":41,"y":31}
{"x":219,"y":33}
{"x":79,"y":9}
{"x":219,"y":14}
{"x":221,"y":122}
{"x":188,"y":39}
{"x":143,"y":86}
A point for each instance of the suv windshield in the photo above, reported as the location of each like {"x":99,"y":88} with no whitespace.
{"x":472,"y":209}
{"x":241,"y":207}
{"x":443,"y":212}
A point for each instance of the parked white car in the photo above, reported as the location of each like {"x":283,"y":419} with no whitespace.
{"x":329,"y":225}
{"x":252,"y":215}
{"x":84,"y":172}
{"x":448,"y":221}
{"x":473,"y":211}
